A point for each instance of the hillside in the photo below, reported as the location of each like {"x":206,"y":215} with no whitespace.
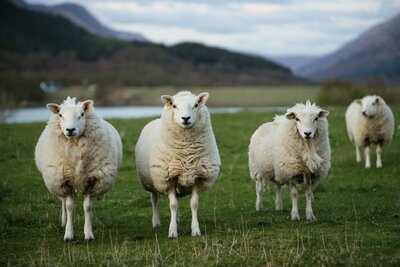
{"x":79,"y":16}
{"x":374,"y":53}
{"x":37,"y":47}
{"x":294,"y":63}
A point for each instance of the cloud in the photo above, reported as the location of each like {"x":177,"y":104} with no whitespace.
{"x":264,"y":27}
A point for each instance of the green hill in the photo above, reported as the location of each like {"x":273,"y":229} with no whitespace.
{"x":37,"y":47}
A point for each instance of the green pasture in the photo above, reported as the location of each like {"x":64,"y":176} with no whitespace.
{"x":357,"y":210}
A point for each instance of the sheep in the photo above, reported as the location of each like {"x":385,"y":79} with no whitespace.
{"x":291,"y":150}
{"x":177,"y":155}
{"x":369,"y":121}
{"x":78,"y":153}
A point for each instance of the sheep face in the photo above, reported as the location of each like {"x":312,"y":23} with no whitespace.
{"x":369,"y":106}
{"x":306,"y":117}
{"x":185,"y":107}
{"x":72,"y":116}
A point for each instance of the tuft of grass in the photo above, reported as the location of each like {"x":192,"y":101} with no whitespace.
{"x":358,"y":210}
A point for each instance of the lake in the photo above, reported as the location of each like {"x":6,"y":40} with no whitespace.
{"x":41,"y":114}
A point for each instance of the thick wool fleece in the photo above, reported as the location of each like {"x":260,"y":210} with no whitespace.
{"x":365,"y":131}
{"x":278,"y":153}
{"x":169,"y":157}
{"x":87,"y":164}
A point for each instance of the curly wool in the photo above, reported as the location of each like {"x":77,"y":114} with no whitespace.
{"x":87,"y":164}
{"x":169,"y":157}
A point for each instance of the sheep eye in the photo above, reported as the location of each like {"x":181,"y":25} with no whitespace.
{"x":316,"y":119}
{"x":173,"y":106}
{"x":59,"y":114}
{"x":196,"y":105}
{"x":297,"y":119}
{"x":82,"y":114}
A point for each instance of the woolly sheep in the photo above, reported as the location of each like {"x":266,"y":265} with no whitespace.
{"x":78,"y":153}
{"x":369,"y":121}
{"x":291,"y":150}
{"x":177,"y":155}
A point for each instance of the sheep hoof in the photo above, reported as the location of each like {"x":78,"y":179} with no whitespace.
{"x":172,"y":235}
{"x":156,"y":222}
{"x":295,"y":217}
{"x":89,"y":238}
{"x":196,"y":232}
{"x":68,"y":239}
{"x":311,"y":217}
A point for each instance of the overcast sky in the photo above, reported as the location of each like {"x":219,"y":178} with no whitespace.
{"x":272,"y":27}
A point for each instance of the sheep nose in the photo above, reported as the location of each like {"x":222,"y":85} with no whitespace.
{"x":186,"y":119}
{"x":307,"y":134}
{"x":364,"y":113}
{"x":70,"y":130}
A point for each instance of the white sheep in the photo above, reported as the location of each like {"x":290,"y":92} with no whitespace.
{"x":369,"y":121}
{"x":178,"y":155}
{"x":78,"y":153}
{"x":291,"y":150}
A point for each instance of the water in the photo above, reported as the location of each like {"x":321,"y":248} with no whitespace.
{"x":41,"y":114}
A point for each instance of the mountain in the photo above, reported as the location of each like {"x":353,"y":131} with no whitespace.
{"x":375,"y":53}
{"x":79,"y":16}
{"x":293,"y":62}
{"x":36,"y":47}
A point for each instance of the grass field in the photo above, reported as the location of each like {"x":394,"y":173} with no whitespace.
{"x":221,"y":96}
{"x":358,"y":210}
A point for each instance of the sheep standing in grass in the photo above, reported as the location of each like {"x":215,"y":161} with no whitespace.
{"x":369,"y":121}
{"x":291,"y":150}
{"x":178,"y":155}
{"x":78,"y":153}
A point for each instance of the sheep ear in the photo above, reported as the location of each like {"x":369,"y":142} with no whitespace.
{"x":87,"y":105}
{"x":202,"y":98}
{"x":290,"y":116}
{"x":53,"y":108}
{"x":323,"y":113}
{"x":167,"y":100}
{"x":358,"y":101}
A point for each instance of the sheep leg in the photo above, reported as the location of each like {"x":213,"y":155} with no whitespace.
{"x":87,"y":208}
{"x":309,"y":195}
{"x":156,"y":217}
{"x":358,"y":154}
{"x":194,"y":204}
{"x":69,"y":227}
{"x":367,"y":157}
{"x":63,"y":213}
{"x":173,"y":206}
{"x":378,"y":156}
{"x":278,"y":198}
{"x":259,"y":191}
{"x":294,"y":194}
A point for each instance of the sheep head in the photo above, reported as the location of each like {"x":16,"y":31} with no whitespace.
{"x":72,"y":115}
{"x":306,"y":117}
{"x":370,"y":105}
{"x":185,"y":107}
